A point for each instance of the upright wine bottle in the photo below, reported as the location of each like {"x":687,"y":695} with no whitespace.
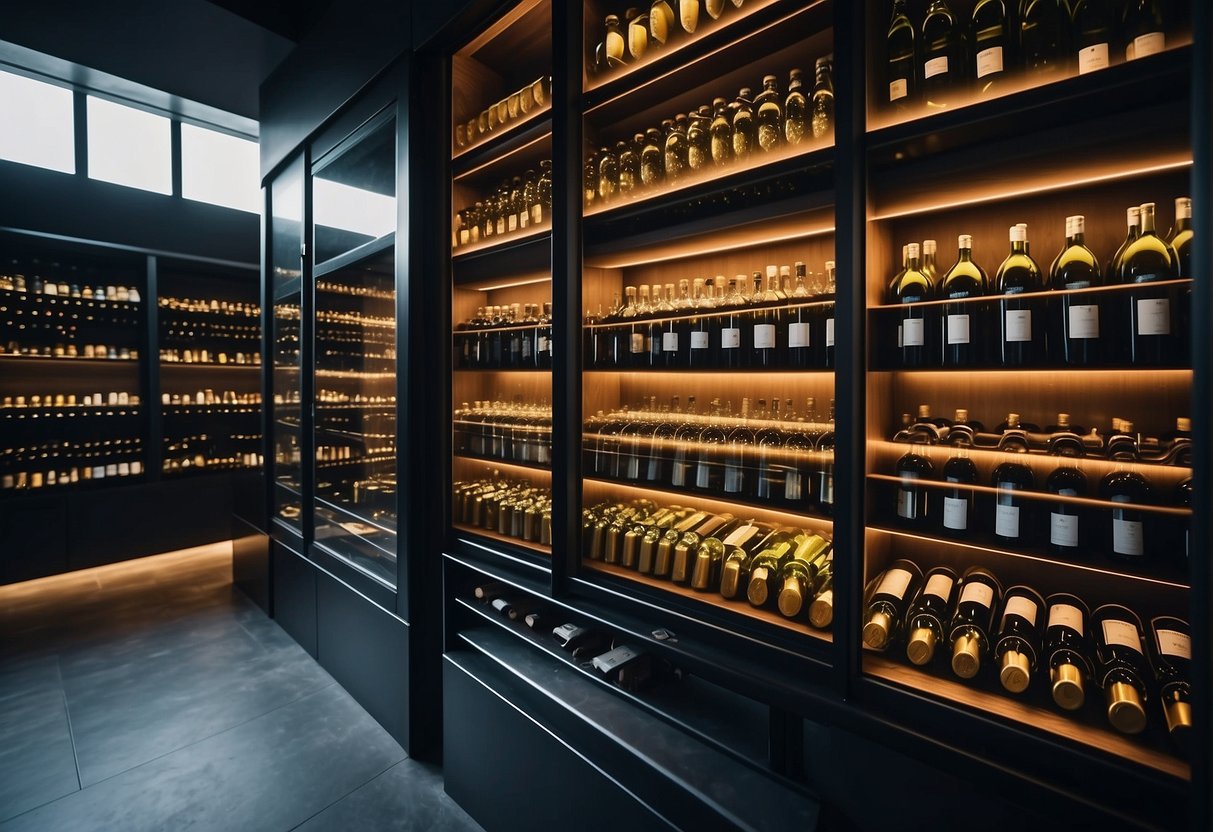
{"x":745,"y":133}
{"x":989,"y":32}
{"x":1143,"y":28}
{"x":1148,"y":259}
{"x":1068,"y":534}
{"x":911,"y":288}
{"x":800,"y":574}
{"x":901,"y":55}
{"x":913,"y":503}
{"x":1133,"y":222}
{"x":1094,"y":34}
{"x":928,"y":615}
{"x":709,"y":447}
{"x":1180,"y":237}
{"x":1021,"y":332}
{"x":827,"y":315}
{"x":1171,"y":658}
{"x":957,"y":515}
{"x":969,"y":629}
{"x":1012,"y":512}
{"x":822,"y":120}
{"x":732,"y":345}
{"x":1044,"y":28}
{"x":1126,"y":530}
{"x":795,"y":110}
{"x":1120,"y":666}
{"x":738,"y":466}
{"x":944,"y":55}
{"x":1067,"y":650}
{"x":1075,"y":318}
{"x":886,"y":605}
{"x":1018,"y":644}
{"x":961,"y":339}
{"x":768,"y":107}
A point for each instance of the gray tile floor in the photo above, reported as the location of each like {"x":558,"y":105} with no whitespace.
{"x":153,"y":695}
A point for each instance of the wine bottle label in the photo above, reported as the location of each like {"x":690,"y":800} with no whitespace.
{"x":740,"y":535}
{"x":791,"y":486}
{"x":1093,"y":57}
{"x":669,"y":342}
{"x":637,"y":342}
{"x":958,"y":329}
{"x":895,"y":583}
{"x":1006,"y":521}
{"x":829,"y":332}
{"x":1174,"y":643}
{"x":989,"y":61}
{"x":935,"y":66}
{"x":899,"y":88}
{"x":1122,"y":634}
{"x":1153,"y":316}
{"x":1063,"y":529}
{"x":614,"y":45}
{"x":513,"y":222}
{"x":699,"y":340}
{"x":939,"y":585}
{"x":524,"y":219}
{"x":702,"y":475}
{"x":1018,"y":325}
{"x":543,"y":343}
{"x":732,"y":479}
{"x":913,"y":331}
{"x":798,"y":335}
{"x":1127,"y":538}
{"x":1022,"y":606}
{"x":1145,"y":45}
{"x":1084,"y":322}
{"x":730,"y":338}
{"x":1066,"y":615}
{"x":464,"y":237}
{"x":537,"y":213}
{"x":906,"y":504}
{"x":955,"y":514}
{"x":977,"y":593}
{"x":500,"y":225}
{"x":764,"y":336}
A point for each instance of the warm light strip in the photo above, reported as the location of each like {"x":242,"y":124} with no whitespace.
{"x":496,"y":160}
{"x":527,"y":282}
{"x":938,"y":542}
{"x":1047,"y":293}
{"x":687,"y":250}
{"x":958,"y":376}
{"x":1053,"y":185}
{"x":714,"y":313}
{"x":660,"y":375}
{"x":528,"y":470}
{"x":505,"y":240}
{"x":99,"y":575}
{"x":499,"y":134}
{"x":1037,"y":460}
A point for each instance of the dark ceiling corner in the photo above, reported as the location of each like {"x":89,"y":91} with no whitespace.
{"x":291,"y":19}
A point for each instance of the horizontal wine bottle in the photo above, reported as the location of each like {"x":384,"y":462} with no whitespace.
{"x":886,"y":604}
{"x":969,"y":629}
{"x":709,"y":557}
{"x":928,"y":614}
{"x":1067,"y":650}
{"x":766,"y":565}
{"x":1171,"y":658}
{"x":735,"y":572}
{"x":799,"y":575}
{"x":1120,"y":666}
{"x":1018,"y":643}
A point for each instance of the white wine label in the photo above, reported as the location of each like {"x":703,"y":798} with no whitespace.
{"x":739,"y":535}
{"x":939,"y":585}
{"x":1127,"y":538}
{"x":730,"y":338}
{"x":524,"y":219}
{"x":1022,"y":606}
{"x":1066,"y":615}
{"x":895,"y":582}
{"x":1063,"y":529}
{"x":1153,"y":316}
{"x":977,"y":593}
{"x":543,"y":343}
{"x":1093,"y":57}
{"x":614,"y":45}
{"x":935,"y":66}
{"x":1174,"y":643}
{"x":906,"y":505}
{"x":913,"y":332}
{"x":513,"y":222}
{"x":958,"y":329}
{"x":500,"y":226}
{"x":764,"y":336}
{"x":955,"y":513}
{"x":1145,"y":45}
{"x":537,"y":213}
{"x":829,"y":332}
{"x":1121,"y":633}
{"x":791,"y":486}
{"x":699,"y":340}
{"x":637,"y":342}
{"x":1006,"y":521}
{"x":798,"y":335}
{"x":669,"y":342}
{"x":1084,"y":321}
{"x":989,"y":61}
{"x":898,"y":89}
{"x":500,"y":604}
{"x":702,"y":475}
{"x":732,"y":479}
{"x":465,"y":236}
{"x":1018,"y":325}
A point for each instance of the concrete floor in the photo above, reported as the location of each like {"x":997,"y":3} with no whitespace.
{"x":153,"y":695}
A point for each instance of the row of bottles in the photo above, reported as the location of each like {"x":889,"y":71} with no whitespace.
{"x":1059,"y":516}
{"x":210,"y":333}
{"x":517,"y":205}
{"x":59,"y":350}
{"x":513,"y":432}
{"x":333,"y":287}
{"x":506,"y":112}
{"x":37,"y":286}
{"x":1024,"y":636}
{"x":722,"y":324}
{"x":67,"y":462}
{"x":1142,"y":326}
{"x":772,"y":456}
{"x":774,"y":567}
{"x":205,"y":452}
{"x":209,"y":398}
{"x":211,"y":306}
{"x":178,"y":355}
{"x":515,"y":337}
{"x":638,"y":33}
{"x":950,"y":57}
{"x":56,"y":328}
{"x":508,"y":506}
{"x":114,"y":398}
{"x":712,"y":136}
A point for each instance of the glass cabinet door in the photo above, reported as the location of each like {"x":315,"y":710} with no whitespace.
{"x":355,"y":353}
{"x":285,"y":282}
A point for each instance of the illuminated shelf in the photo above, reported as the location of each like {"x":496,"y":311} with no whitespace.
{"x":1081,"y":728}
{"x":991,"y":299}
{"x":739,"y":607}
{"x":209,"y":409}
{"x":785,"y":374}
{"x":69,"y":412}
{"x":209,"y":468}
{"x":1041,"y":462}
{"x":510,"y":370}
{"x":15,"y":358}
{"x":504,"y":463}
{"x":489,"y":534}
{"x":28,"y":297}
{"x":504,"y":245}
{"x":210,"y":365}
{"x":502,"y":144}
{"x":361,"y":460}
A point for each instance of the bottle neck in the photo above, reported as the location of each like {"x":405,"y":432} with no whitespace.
{"x":1019,"y":247}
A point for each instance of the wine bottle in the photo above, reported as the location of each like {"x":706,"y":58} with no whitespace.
{"x":944,"y":55}
{"x":1179,"y":238}
{"x":721,"y":132}
{"x":912,"y":287}
{"x":657,"y":548}
{"x":989,"y":32}
{"x":738,"y":467}
{"x":913,"y":503}
{"x":1148,"y":259}
{"x":1066,"y":650}
{"x":1044,"y":28}
{"x":639,"y":38}
{"x":688,"y":545}
{"x":822,"y":120}
{"x":958,"y":502}
{"x":766,"y":320}
{"x":901,"y":56}
{"x":765,"y":566}
{"x":1127,"y":531}
{"x":1075,"y":327}
{"x":1094,"y":33}
{"x":1020,"y":327}
{"x":798,"y":576}
{"x":615,"y":43}
{"x":1018,"y":644}
{"x":768,"y":115}
{"x":795,"y":110}
{"x":969,"y":629}
{"x":823,"y":474}
{"x":710,"y":557}
{"x":827,"y":314}
{"x":966,"y":279}
{"x":928,"y":614}
{"x":733,"y":348}
{"x":688,"y":15}
{"x":676,"y":156}
{"x":745,"y":133}
{"x":1171,"y":659}
{"x":886,"y":604}
{"x":1120,"y":666}
{"x":1012,"y":512}
{"x":735,"y":572}
{"x":1182,"y":527}
{"x":1143,"y":28}
{"x":1067,"y":531}
{"x":709,"y":474}
{"x":662,"y":25}
{"x":821,"y":611}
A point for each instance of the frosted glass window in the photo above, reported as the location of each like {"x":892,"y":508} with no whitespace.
{"x":338,"y":205}
{"x":129,"y":147}
{"x":219,"y":169}
{"x":38,"y":123}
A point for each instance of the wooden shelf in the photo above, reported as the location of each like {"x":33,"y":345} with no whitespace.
{"x":516,"y":542}
{"x":502,"y":143}
{"x":522,"y":467}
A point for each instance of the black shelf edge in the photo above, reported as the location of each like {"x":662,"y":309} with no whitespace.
{"x":510,"y":258}
{"x":691,"y":496}
{"x":534,"y":466}
{"x":353,"y":256}
{"x":501,"y":370}
{"x":501,"y":144}
{"x":59,"y":359}
{"x":789,"y":371}
{"x":1044,"y":368}
{"x":464,"y":540}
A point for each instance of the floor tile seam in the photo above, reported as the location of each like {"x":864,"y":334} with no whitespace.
{"x":370,"y":780}
{"x":71,"y":731}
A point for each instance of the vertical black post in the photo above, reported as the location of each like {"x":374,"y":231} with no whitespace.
{"x":850,"y":216}
{"x":566,"y":289}
{"x":307,"y":362}
{"x":150,"y":371}
{"x":175,"y":154}
{"x":267,"y":391}
{"x":80,"y":131}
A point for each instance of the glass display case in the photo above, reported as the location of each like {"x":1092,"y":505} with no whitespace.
{"x":285,"y":285}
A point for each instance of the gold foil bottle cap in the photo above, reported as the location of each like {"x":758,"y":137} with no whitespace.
{"x":821,"y":611}
{"x":1179,"y":718}
{"x":876,"y":631}
{"x":1125,"y":709}
{"x":729,"y":578}
{"x":1068,"y":690}
{"x":1016,"y":671}
{"x":966,"y":657}
{"x":702,"y":571}
{"x":757,"y":590}
{"x":920,"y":649}
{"x":791,"y":599}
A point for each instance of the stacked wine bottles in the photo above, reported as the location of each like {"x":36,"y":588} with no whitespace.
{"x":508,"y":506}
{"x":513,"y":337}
{"x":505,"y":113}
{"x":639,"y":34}
{"x":514,"y":432}
{"x":1025,"y":639}
{"x":518,"y":205}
